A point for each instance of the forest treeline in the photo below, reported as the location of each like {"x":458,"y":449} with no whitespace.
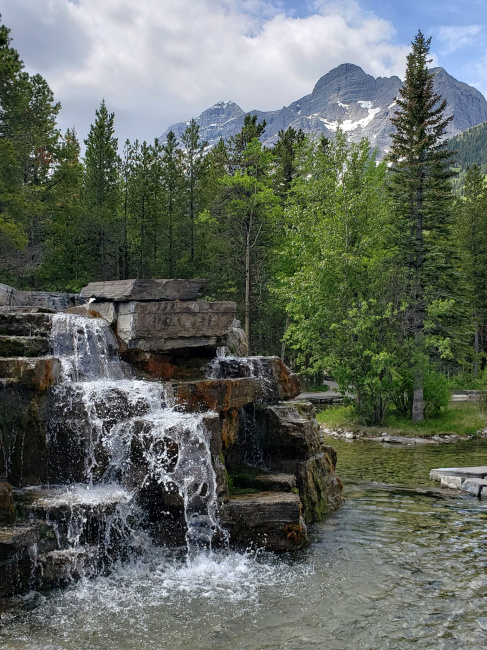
{"x":371,"y":272}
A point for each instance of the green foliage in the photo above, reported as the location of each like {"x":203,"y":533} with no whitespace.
{"x":333,"y":275}
{"x":436,"y":393}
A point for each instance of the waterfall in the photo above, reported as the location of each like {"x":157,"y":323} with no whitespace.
{"x":112,"y":432}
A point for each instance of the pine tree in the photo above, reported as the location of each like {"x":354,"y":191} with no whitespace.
{"x":102,"y":195}
{"x":421,"y":192}
{"x":472,"y":238}
{"x":193,"y":162}
{"x":172,"y":180}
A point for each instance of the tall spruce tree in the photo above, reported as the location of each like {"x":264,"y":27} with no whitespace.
{"x":172,"y":179}
{"x":193,"y":161}
{"x":472,"y":238}
{"x":421,"y":193}
{"x":102,"y":196}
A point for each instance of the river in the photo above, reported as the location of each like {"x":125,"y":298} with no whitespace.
{"x":391,"y":569}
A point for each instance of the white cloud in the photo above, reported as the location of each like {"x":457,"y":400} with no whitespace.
{"x":160,"y":61}
{"x":454,"y":37}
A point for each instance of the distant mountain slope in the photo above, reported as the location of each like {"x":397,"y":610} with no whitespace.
{"x":471,"y":146}
{"x":345,"y":96}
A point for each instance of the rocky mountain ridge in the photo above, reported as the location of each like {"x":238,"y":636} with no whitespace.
{"x":347,"y":97}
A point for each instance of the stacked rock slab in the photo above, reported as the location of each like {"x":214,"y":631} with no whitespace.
{"x":162,"y":329}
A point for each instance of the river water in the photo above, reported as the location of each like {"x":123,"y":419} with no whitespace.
{"x":391,"y":569}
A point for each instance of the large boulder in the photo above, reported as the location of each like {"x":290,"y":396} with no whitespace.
{"x":291,"y":431}
{"x":218,"y":395}
{"x":169,"y":326}
{"x":270,"y":520}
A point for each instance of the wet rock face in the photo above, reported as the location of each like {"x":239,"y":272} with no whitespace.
{"x":7,"y":506}
{"x":290,"y":441}
{"x":23,"y":434}
{"x":291,"y":432}
{"x":277,"y":382}
{"x":168,"y":326}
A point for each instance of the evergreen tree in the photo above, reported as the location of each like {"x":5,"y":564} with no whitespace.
{"x":238,"y":143}
{"x":28,"y":151}
{"x":472,"y":238}
{"x":193,"y":162}
{"x":102,"y":196}
{"x":285,"y":153}
{"x":172,"y":179}
{"x":247,"y":211}
{"x":63,"y":267}
{"x":421,"y":193}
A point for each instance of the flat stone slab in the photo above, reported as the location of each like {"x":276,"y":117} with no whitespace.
{"x":479,"y":472}
{"x":262,"y":508}
{"x":143,"y":289}
{"x":277,"y":381}
{"x":14,"y":539}
{"x":39,"y":373}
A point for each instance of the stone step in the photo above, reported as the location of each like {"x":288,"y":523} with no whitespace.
{"x":463,"y":472}
{"x":143,"y":289}
{"x":26,"y":321}
{"x":38,"y":373}
{"x":24,"y":346}
{"x":62,"y":566}
{"x":270,"y":520}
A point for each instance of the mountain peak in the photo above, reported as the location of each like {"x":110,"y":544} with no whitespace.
{"x":345,"y":97}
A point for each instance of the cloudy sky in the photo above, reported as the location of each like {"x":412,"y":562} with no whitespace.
{"x":161,"y":61}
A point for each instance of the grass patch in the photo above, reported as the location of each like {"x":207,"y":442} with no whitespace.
{"x":462,"y":418}
{"x":338,"y":416}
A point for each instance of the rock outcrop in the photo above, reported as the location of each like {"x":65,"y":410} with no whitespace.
{"x":88,"y":453}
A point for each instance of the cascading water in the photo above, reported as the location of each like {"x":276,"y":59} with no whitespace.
{"x":113,"y":432}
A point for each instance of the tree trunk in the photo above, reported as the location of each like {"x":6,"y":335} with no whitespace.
{"x":283,"y":344}
{"x":247,"y":281}
{"x":476,"y":350}
{"x":417,"y":409}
